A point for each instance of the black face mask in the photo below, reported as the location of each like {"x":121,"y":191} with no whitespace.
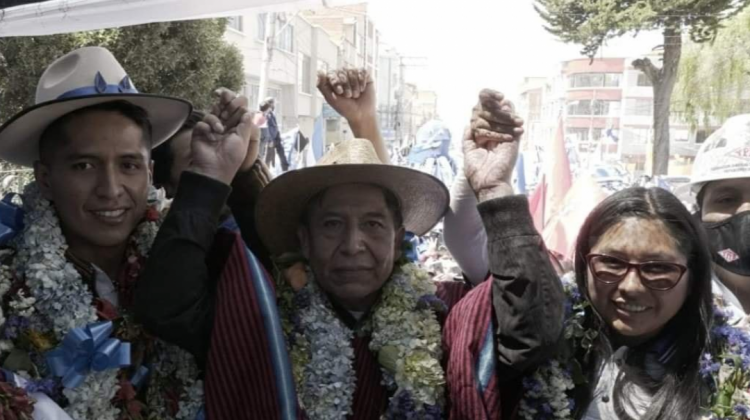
{"x":730,"y":243}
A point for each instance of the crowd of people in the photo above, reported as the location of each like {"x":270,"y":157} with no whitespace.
{"x":155,"y":269}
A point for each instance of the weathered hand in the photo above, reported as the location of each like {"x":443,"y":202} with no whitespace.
{"x":230,"y":108}
{"x":491,"y":146}
{"x":351,"y":93}
{"x":217,"y":151}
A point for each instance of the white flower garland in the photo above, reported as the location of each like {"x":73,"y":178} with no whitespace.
{"x":60,"y":298}
{"x":548,"y":391}
{"x":405,"y":334}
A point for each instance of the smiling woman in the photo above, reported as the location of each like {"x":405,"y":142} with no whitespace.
{"x":643,"y":264}
{"x":638,"y":317}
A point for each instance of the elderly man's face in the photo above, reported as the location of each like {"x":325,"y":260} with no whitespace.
{"x":351,"y":243}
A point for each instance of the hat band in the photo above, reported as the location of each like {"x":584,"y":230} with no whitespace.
{"x":96,"y":90}
{"x":101,"y":87}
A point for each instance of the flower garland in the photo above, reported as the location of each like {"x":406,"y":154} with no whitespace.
{"x":726,"y":370}
{"x":405,"y":336}
{"x":48,"y":297}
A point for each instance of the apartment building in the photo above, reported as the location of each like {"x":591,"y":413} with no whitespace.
{"x":607,"y":110}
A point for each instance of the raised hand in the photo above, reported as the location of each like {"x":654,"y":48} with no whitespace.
{"x":230,"y":108}
{"x":350,"y":92}
{"x":491,"y":146}
{"x":221,"y":141}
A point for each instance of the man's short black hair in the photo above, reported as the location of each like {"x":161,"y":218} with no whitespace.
{"x":56,"y":134}
{"x":162,"y":155}
{"x":391,"y":201}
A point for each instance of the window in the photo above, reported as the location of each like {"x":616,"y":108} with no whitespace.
{"x":636,"y":135}
{"x":587,"y":80}
{"x":261,"y":35}
{"x":643,"y":80}
{"x":235,"y":22}
{"x":283,"y":40}
{"x":589,"y":107}
{"x":304,"y":70}
{"x":583,"y":134}
{"x":612,"y":80}
{"x":641,"y":107}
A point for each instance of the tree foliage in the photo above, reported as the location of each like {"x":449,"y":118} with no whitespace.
{"x":184,"y":59}
{"x":714,"y":77}
{"x":591,"y":23}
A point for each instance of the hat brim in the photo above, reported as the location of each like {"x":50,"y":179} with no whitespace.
{"x":424,"y":199}
{"x":19,"y":137}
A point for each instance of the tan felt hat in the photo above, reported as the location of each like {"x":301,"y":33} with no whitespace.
{"x":423,"y":198}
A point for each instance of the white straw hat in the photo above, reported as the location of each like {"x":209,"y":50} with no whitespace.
{"x":82,"y":78}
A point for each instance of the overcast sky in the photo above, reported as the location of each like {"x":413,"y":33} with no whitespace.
{"x":472,"y":44}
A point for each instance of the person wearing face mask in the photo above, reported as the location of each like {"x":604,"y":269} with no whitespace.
{"x":721,"y":182}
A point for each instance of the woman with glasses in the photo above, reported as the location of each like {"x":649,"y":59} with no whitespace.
{"x":642,"y":339}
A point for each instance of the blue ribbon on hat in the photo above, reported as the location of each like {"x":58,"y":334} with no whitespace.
{"x":11,"y":219}
{"x":87,"y":349}
{"x":101,"y":87}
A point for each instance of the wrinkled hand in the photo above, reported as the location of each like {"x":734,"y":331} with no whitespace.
{"x":221,"y":141}
{"x":491,"y":146}
{"x":230,"y":108}
{"x":351,"y":93}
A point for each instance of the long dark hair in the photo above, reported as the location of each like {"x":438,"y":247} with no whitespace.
{"x":677,"y":393}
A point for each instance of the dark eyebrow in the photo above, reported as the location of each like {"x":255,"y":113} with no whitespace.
{"x":81,"y":156}
{"x":133,"y":156}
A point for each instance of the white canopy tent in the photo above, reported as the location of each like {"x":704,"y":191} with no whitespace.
{"x":64,"y":16}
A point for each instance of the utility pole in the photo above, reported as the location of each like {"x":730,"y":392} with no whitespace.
{"x":267,"y":57}
{"x":401,"y":105}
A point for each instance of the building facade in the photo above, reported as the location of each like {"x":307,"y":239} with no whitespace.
{"x":606,"y":106}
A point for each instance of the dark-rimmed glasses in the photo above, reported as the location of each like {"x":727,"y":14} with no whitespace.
{"x":656,"y":275}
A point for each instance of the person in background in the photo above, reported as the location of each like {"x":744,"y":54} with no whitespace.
{"x":721,"y":182}
{"x":272,"y":143}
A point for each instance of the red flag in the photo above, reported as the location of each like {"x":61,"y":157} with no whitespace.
{"x":558,"y":175}
{"x":536,"y":204}
{"x":561,"y":232}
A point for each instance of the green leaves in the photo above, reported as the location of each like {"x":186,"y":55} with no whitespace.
{"x":592,"y":22}
{"x":713,"y":76}
{"x":183,"y":59}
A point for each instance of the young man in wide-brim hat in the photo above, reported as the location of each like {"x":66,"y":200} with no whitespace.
{"x":88,"y":226}
{"x":362,"y":335}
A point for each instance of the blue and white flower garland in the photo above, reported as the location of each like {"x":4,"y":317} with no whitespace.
{"x":58,"y":296}
{"x":726,"y":371}
{"x":405,"y":335}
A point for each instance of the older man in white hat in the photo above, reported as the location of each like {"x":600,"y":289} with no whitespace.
{"x":361,"y":336}
{"x":71,"y":347}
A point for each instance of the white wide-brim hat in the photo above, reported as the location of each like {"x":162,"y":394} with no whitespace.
{"x":423,"y":198}
{"x":80,"y":79}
